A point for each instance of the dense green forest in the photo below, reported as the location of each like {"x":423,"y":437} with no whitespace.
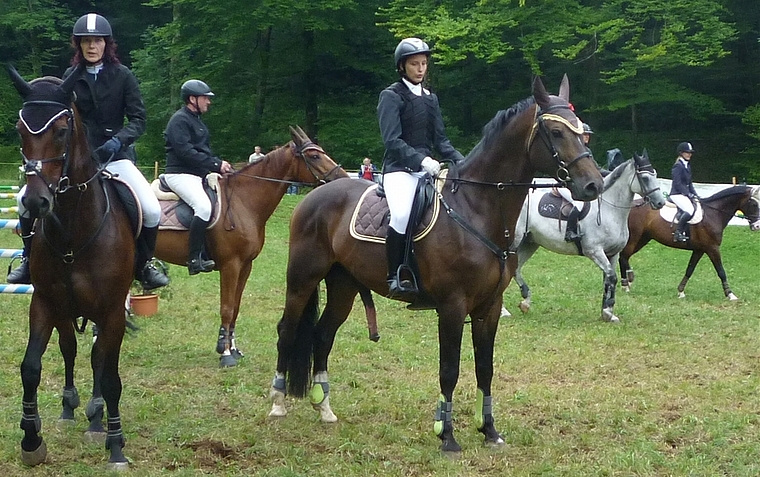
{"x":643,"y":73}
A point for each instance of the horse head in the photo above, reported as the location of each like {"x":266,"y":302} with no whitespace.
{"x":560,"y":150}
{"x":318,"y":164}
{"x":46,"y":125}
{"x":752,"y":209}
{"x":648,"y":185}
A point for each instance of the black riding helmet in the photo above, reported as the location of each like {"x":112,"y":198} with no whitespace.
{"x":408,"y":47}
{"x":194,"y":87}
{"x":92,"y":24}
{"x":684,"y":147}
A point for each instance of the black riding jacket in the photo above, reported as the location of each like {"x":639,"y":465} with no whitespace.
{"x":104,"y":103}
{"x":187,"y":145}
{"x":412,"y":127}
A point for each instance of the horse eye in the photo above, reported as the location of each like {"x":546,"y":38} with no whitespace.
{"x":60,"y":134}
{"x":556,"y":133}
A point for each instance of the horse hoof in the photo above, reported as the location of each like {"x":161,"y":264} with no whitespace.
{"x":35,"y":457}
{"x":374,"y":337}
{"x":493,"y":443}
{"x":227,"y":361}
{"x":609,"y":316}
{"x":277,"y":411}
{"x":504,"y":313}
{"x":524,"y":306}
{"x":732,"y":297}
{"x":236,"y":353}
{"x":64,"y":424}
{"x":681,"y":295}
{"x":117,"y":466}
{"x":451,"y":448}
{"x":91,"y":437}
{"x":627,"y":289}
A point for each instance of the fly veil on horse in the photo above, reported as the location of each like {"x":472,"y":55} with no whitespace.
{"x":603,"y":225}
{"x":482,"y":197}
{"x":705,"y":236}
{"x":247,"y":198}
{"x":82,"y":263}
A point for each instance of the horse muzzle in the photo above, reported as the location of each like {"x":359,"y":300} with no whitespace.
{"x":38,"y":206}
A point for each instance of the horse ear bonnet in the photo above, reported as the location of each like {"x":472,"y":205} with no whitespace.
{"x":45,"y":103}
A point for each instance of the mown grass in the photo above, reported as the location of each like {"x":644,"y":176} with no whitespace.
{"x":672,"y":390}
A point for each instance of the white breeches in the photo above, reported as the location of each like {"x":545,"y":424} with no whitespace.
{"x":189,"y":188}
{"x":568,"y":196}
{"x":683,"y":203}
{"x":399,"y":192}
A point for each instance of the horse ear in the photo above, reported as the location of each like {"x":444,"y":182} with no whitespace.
{"x":295,"y":136}
{"x":539,"y":92}
{"x":564,"y":88}
{"x":305,"y":136}
{"x":645,"y":154}
{"x":20,"y":83}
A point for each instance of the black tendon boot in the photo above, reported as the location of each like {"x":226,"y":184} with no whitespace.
{"x":680,"y":234}
{"x":20,"y":275}
{"x":195,"y":262}
{"x":571,"y":232}
{"x":400,"y":285}
{"x":145,"y":272}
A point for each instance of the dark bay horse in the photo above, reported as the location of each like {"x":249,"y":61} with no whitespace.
{"x":81,"y":264}
{"x":604,"y":227}
{"x":462,"y":261}
{"x":248,"y":198}
{"x":705,"y":237}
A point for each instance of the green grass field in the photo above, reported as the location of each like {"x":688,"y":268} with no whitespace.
{"x":672,"y":390}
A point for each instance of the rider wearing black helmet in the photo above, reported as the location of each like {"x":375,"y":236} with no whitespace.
{"x":682,"y":192}
{"x":106,"y":93}
{"x":188,"y":160}
{"x":412,"y":128}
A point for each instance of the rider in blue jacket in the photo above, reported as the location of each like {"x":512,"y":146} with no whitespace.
{"x":682,"y":192}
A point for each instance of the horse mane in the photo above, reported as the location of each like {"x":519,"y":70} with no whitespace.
{"x":615,"y":174}
{"x":725,"y":193}
{"x":492,"y":129}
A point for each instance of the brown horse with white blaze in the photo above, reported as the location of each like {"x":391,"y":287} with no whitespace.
{"x":248,"y":198}
{"x":482,"y":196}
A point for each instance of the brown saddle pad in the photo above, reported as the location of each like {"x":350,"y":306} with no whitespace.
{"x":370,"y":219}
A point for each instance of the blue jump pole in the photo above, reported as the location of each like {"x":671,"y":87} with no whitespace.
{"x":16,"y":289}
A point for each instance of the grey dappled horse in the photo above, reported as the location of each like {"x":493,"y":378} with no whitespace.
{"x":604,"y":228}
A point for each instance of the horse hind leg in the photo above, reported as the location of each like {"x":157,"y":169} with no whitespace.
{"x":608,"y":298}
{"x":524,"y":252}
{"x":70,"y":399}
{"x":341,"y":291}
{"x":718,"y":265}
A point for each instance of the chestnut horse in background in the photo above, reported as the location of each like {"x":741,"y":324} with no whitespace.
{"x":248,"y":198}
{"x":705,"y":237}
{"x":81,"y":264}
{"x":462,"y":261}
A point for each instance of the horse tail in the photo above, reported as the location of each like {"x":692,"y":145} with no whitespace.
{"x":299,"y":360}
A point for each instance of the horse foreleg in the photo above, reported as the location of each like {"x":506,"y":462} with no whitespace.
{"x":33,"y":448}
{"x":483,"y":337}
{"x":606,"y":264}
{"x":67,"y":342}
{"x":696,"y":255}
{"x":626,"y":273}
{"x":231,"y":286}
{"x":95,"y":409}
{"x":449,"y":345}
{"x":717,"y":262}
{"x":110,"y":339}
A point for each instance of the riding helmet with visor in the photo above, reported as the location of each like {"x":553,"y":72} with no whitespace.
{"x":194,"y":87}
{"x":587,"y":129}
{"x":684,"y":147}
{"x":92,"y":24}
{"x":408,"y":47}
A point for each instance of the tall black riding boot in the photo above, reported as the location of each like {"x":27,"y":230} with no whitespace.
{"x":195,"y":262}
{"x":21,"y":275}
{"x":571,"y":232}
{"x":680,"y":234}
{"x":145,"y":272}
{"x":398,"y":285}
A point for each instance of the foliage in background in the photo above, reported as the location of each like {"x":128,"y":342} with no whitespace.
{"x":643,"y":73}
